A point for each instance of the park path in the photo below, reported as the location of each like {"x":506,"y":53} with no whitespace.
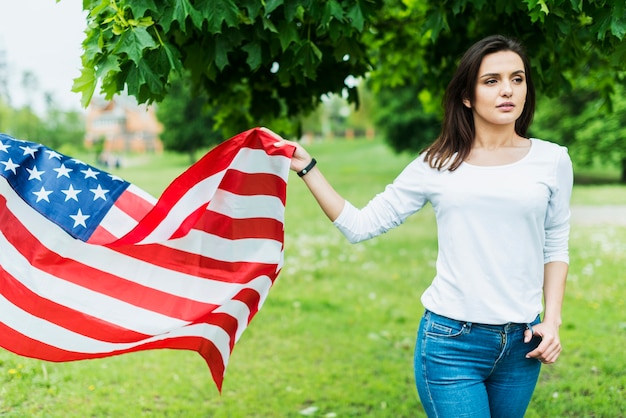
{"x":598,"y":215}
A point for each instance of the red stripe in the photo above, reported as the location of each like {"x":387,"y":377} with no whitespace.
{"x":245,"y":184}
{"x":100,"y":236}
{"x":226,"y":227}
{"x":196,"y":265}
{"x":76,"y":321}
{"x":22,"y":345}
{"x":133,"y":205}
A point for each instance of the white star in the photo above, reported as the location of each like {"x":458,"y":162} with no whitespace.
{"x":42,"y":194}
{"x":71,"y":193}
{"x":79,"y":219}
{"x":99,"y":193}
{"x":34,"y":173}
{"x":30,"y":151}
{"x":10,"y":165}
{"x":63,"y":171}
{"x":115,"y":178}
{"x":53,"y":154}
{"x":90,"y":173}
{"x":77,"y":161}
{"x":4,"y":147}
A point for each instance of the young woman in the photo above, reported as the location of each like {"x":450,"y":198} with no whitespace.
{"x":501,"y":202}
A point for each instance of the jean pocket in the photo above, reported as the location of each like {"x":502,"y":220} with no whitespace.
{"x":446,"y":328}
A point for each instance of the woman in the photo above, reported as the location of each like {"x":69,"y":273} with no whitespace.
{"x":502,"y":206}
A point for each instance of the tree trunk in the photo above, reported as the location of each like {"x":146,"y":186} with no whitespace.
{"x":623,"y":178}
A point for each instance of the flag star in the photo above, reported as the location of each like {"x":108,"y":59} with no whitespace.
{"x":89,"y":173}
{"x":34,"y":173}
{"x":77,"y":161}
{"x":71,"y":193}
{"x":79,"y":219}
{"x":53,"y":154}
{"x":10,"y":165}
{"x":99,"y":193}
{"x":42,"y":194}
{"x":4,"y":147}
{"x":29,"y":151}
{"x":63,"y":171}
{"x":115,"y":178}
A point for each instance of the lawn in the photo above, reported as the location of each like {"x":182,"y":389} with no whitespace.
{"x":335,"y":337}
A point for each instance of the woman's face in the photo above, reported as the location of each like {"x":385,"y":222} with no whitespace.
{"x":500,"y":92}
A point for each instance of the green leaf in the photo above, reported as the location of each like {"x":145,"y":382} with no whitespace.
{"x":133,"y":42}
{"x":106,"y":65}
{"x":139,"y":7}
{"x":178,"y":11}
{"x":271,"y":5}
{"x":217,"y":12}
{"x":268,"y":25}
{"x":221,"y":52}
{"x":173,"y":57}
{"x":254,"y":60}
{"x":309,"y":57}
{"x":334,"y":9}
{"x":356,"y":16}
{"x":253,"y":7}
{"x":86,"y":85}
{"x":287,"y":33}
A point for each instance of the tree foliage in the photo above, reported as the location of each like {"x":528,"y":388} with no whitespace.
{"x":267,"y":59}
{"x":580,"y":121}
{"x":188,"y":121}
{"x":271,"y":60}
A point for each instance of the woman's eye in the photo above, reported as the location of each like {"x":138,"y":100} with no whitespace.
{"x":491,"y":81}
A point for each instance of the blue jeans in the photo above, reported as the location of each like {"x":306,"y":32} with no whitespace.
{"x":464,"y":369}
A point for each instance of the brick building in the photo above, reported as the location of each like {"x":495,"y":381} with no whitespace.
{"x":123,"y":125}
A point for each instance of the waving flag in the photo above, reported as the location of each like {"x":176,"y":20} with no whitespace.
{"x":91,"y":266}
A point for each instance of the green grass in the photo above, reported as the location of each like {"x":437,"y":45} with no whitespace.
{"x":335,"y":337}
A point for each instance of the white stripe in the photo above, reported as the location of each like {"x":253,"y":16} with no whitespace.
{"x":250,"y":160}
{"x":243,"y":207}
{"x":142,"y":194}
{"x":48,"y":333}
{"x":117,"y":222}
{"x":253,"y":250}
{"x":76,"y":297}
{"x":133,"y":270}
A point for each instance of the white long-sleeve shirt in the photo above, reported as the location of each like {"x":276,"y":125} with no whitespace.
{"x":497,"y":227}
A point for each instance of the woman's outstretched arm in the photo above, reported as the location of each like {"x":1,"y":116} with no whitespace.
{"x":329,"y":200}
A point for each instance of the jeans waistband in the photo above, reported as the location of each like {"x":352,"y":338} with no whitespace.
{"x":508,"y":327}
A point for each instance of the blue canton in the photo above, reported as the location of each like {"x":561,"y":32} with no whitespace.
{"x":70,"y":193}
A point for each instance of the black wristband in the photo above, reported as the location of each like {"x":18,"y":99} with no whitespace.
{"x":307,"y":168}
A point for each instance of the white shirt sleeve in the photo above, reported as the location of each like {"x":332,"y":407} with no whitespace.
{"x":388,"y":209}
{"x":557,"y":224}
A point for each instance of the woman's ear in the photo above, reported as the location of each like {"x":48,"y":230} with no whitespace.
{"x":467,"y":103}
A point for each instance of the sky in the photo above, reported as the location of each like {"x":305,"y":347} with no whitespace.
{"x":44,"y":37}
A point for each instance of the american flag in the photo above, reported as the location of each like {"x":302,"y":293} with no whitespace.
{"x":92,"y":266}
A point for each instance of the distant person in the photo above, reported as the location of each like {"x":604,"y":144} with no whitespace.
{"x":501,"y":201}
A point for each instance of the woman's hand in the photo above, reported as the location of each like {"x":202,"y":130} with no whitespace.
{"x":300,"y":158}
{"x":550,"y":347}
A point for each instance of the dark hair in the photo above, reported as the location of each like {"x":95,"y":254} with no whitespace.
{"x":458,"y":130}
